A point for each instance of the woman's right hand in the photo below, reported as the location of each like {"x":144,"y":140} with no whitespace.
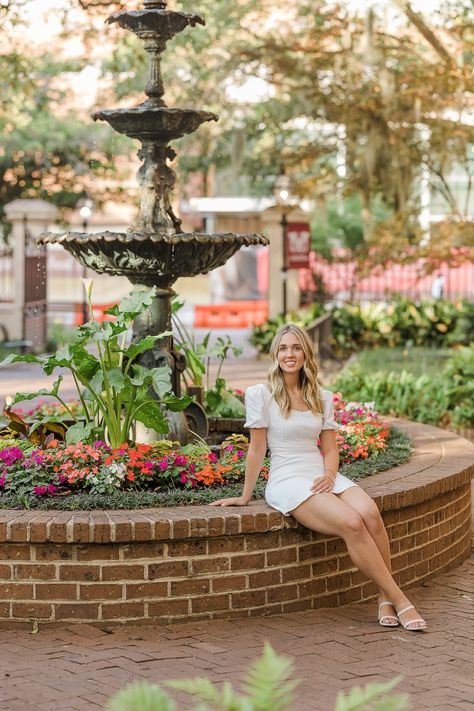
{"x":235,"y":501}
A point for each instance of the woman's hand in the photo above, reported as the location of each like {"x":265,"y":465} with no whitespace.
{"x":235,"y":501}
{"x":322,"y":485}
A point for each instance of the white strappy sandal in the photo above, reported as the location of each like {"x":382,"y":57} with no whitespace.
{"x":408,"y":625}
{"x":388,"y":620}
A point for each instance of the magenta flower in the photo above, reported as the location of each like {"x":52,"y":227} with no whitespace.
{"x":11,"y":454}
{"x":180,"y":461}
{"x":163,"y":465}
{"x":213,"y":458}
{"x":40,"y":490}
{"x":192,"y":467}
{"x":52,"y":488}
{"x":183,"y":478}
{"x":3,"y":480}
{"x":229,"y":448}
{"x":240,"y":454}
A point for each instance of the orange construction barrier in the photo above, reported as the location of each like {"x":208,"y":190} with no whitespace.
{"x":98,"y":312}
{"x":234,"y":314}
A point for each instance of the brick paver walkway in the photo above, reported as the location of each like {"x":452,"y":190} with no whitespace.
{"x":78,"y":667}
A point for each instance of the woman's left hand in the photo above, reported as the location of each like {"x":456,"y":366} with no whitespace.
{"x":322,"y":485}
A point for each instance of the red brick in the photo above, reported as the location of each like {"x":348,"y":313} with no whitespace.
{"x":325,"y":565}
{"x":14,"y":551}
{"x":143,"y":550}
{"x":282,"y":593}
{"x":317,"y":586}
{"x":312,"y":550}
{"x":77,"y":611}
{"x":296,"y":606}
{"x":100,"y":591}
{"x":168,"y":569}
{"x":145,"y":590}
{"x":210,"y":565}
{"x":87,"y":573}
{"x":352,"y":595}
{"x":122,"y":571}
{"x":251,"y":561}
{"x":30,"y":571}
{"x":54,"y":552}
{"x":190,"y":587}
{"x":5,"y":572}
{"x":264,"y":578}
{"x":187,"y":548}
{"x":251,"y":598}
{"x":123,"y":610}
{"x":98,"y":551}
{"x":18,"y":591}
{"x":31,"y":610}
{"x":281,"y":556}
{"x":168,"y":608}
{"x":264,"y":541}
{"x":55,"y":591}
{"x":4,"y":611}
{"x":232,"y":544}
{"x":230,"y":583}
{"x":210,"y":603}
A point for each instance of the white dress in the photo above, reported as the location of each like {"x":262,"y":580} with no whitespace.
{"x":295,"y":458}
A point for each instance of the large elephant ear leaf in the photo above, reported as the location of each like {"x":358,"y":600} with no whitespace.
{"x":139,"y":300}
{"x":21,"y":397}
{"x":151,"y":416}
{"x":161,"y":380}
{"x":17,"y":358}
{"x":79,"y":432}
{"x":135,"y":349}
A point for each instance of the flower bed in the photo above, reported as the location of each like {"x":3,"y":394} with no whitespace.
{"x":59,"y":469}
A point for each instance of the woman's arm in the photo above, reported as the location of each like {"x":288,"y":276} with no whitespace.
{"x":328,"y":446}
{"x":253,"y":465}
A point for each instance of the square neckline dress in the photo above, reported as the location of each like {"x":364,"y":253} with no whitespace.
{"x":295,"y":458}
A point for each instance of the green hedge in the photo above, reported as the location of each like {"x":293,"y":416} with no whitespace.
{"x":400,"y":322}
{"x":444,"y":398}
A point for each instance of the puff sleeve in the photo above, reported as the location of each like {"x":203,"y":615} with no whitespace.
{"x":256,"y":409}
{"x":328,"y":413}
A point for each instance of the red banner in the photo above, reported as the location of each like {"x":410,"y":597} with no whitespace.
{"x":298,"y":239}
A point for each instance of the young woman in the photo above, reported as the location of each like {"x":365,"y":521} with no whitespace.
{"x":290,"y":414}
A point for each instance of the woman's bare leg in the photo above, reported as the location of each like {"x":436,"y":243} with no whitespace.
{"x":368,"y":510}
{"x":328,"y":514}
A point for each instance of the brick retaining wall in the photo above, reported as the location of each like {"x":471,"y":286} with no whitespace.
{"x":200,"y":562}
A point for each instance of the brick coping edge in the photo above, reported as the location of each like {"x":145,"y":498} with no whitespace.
{"x":441,"y":461}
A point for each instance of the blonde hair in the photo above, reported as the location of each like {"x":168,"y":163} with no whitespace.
{"x":310,"y":390}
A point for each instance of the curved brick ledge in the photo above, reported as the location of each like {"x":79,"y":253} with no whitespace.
{"x":196,"y":562}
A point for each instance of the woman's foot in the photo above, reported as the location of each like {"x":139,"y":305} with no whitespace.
{"x":387,"y":613}
{"x":409,"y":618}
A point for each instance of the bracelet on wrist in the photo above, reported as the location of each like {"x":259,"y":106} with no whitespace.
{"x":329,"y":473}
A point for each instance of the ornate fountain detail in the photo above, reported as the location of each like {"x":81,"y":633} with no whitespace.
{"x":154,"y":251}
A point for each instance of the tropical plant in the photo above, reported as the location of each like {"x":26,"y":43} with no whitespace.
{"x":268,"y":686}
{"x":115,"y":391}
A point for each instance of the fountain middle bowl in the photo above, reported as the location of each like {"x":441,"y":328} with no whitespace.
{"x":157,"y":259}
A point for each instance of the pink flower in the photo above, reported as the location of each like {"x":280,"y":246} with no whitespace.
{"x":213,"y":458}
{"x":180,"y":461}
{"x":40,"y":490}
{"x":3,"y":480}
{"x":163,"y":465}
{"x":240,"y":454}
{"x":52,"y":488}
{"x":183,"y":478}
{"x":229,"y":448}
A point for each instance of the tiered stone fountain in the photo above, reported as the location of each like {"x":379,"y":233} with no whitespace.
{"x":155,"y":251}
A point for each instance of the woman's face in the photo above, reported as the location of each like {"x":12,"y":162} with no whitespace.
{"x":290,"y":353}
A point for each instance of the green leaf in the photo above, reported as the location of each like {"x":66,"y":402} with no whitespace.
{"x":150,"y":414}
{"x":161,"y":381}
{"x":144,"y":345}
{"x":175,"y":403}
{"x":133,"y":305}
{"x":141,"y":375}
{"x":20,"y":397}
{"x":117,"y":379}
{"x":141,"y":696}
{"x":17,"y":358}
{"x":359,"y":698}
{"x":79,"y":432}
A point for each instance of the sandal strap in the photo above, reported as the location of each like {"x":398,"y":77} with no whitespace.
{"x":412,"y":622}
{"x":386,"y":602}
{"x":405,"y":609}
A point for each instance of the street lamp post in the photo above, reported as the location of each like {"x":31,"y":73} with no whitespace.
{"x":85,"y":206}
{"x":282,"y":194}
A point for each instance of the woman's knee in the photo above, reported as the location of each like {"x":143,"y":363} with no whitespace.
{"x":372,"y":518}
{"x":353,"y":526}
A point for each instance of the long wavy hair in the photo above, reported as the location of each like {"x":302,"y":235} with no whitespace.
{"x":310,"y":390}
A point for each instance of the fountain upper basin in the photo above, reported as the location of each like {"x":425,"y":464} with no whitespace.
{"x":155,"y":123}
{"x":152,"y":259}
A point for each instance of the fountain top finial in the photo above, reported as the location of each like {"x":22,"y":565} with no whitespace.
{"x":154,"y":4}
